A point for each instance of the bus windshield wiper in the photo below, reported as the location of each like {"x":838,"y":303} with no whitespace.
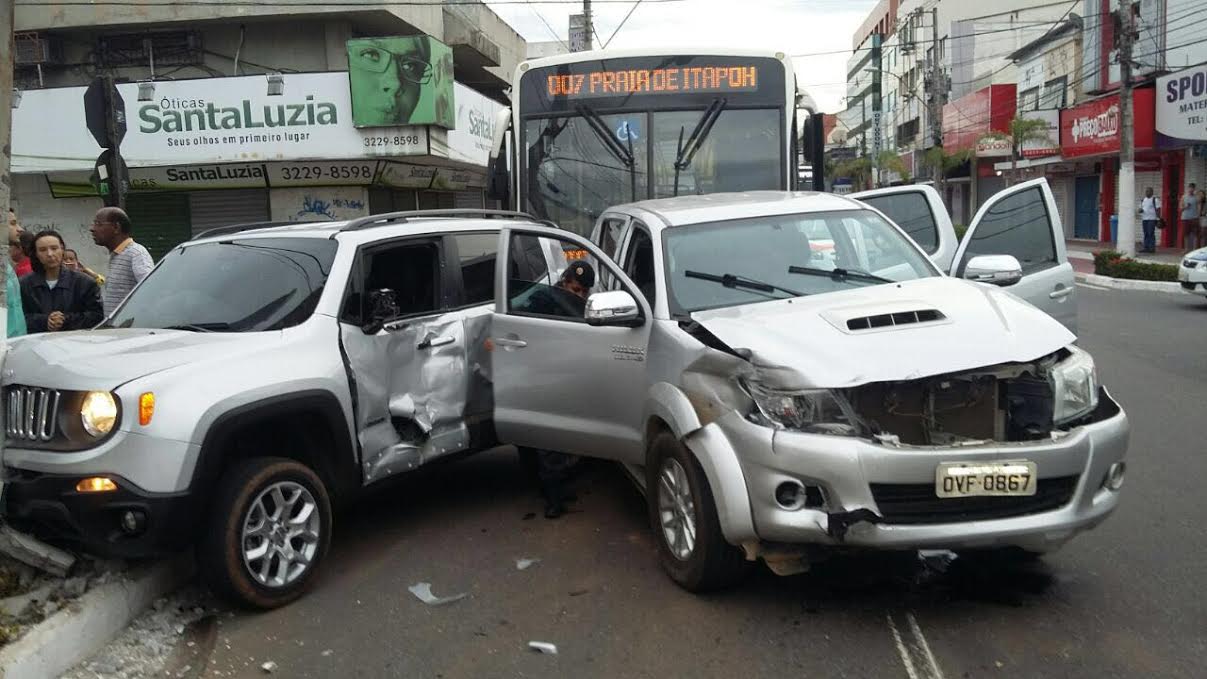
{"x":624,"y":155}
{"x":734,"y":281}
{"x":838,"y":274}
{"x":683,"y":157}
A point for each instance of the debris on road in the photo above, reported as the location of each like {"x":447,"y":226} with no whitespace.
{"x":29,"y":594}
{"x":543,"y":646}
{"x":151,"y":645}
{"x":423,"y":592}
{"x":33,"y":552}
{"x":525,"y":564}
{"x":269,"y":667}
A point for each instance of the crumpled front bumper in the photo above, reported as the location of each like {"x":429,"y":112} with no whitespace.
{"x":857,"y":477}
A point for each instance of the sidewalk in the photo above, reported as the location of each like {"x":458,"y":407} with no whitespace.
{"x":1081,"y":256}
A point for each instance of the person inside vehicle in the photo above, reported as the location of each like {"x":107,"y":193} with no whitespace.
{"x":569,"y":296}
{"x":54,"y":297}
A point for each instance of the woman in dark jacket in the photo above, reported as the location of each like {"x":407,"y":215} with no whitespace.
{"x":55,"y":297}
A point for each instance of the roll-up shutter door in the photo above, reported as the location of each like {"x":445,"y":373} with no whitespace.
{"x":212,"y":209}
{"x":160,"y":220}
{"x":468,"y":200}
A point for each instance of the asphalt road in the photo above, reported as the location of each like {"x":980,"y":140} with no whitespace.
{"x":1125,"y":600}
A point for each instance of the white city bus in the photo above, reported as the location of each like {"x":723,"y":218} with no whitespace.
{"x":590,"y":130}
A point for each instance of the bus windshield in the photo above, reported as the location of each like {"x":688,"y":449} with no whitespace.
{"x":603,"y":132}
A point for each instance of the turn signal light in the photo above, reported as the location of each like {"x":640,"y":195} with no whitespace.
{"x":95,"y":484}
{"x":146,"y":408}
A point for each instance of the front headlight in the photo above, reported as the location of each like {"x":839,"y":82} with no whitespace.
{"x":98,"y":413}
{"x":1074,"y":386}
{"x":814,"y":411}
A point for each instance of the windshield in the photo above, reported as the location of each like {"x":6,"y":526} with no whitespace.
{"x":577,"y":167}
{"x":247,"y":285}
{"x":751,"y":260}
{"x":739,"y":152}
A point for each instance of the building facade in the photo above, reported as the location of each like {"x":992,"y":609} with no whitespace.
{"x":249,"y":116}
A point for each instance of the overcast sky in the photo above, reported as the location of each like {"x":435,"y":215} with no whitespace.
{"x":794,"y":26}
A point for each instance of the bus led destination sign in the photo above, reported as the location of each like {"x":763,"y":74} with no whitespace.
{"x":654,"y":81}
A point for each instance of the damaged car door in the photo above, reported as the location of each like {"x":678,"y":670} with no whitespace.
{"x":406,"y":351}
{"x":920,"y":213}
{"x":567,"y":364}
{"x":1022,"y":223}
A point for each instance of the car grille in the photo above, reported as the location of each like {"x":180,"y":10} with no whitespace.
{"x":31,"y":413}
{"x":916,"y":503}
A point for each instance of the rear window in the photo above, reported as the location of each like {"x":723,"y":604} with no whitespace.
{"x":911,"y":212}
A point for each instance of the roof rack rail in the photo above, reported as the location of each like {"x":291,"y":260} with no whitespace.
{"x":238,"y":228}
{"x":401,"y":217}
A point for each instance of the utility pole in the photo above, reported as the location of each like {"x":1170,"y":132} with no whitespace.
{"x":6,"y":178}
{"x":590,"y":25}
{"x":1126,"y":238}
{"x":936,"y":97}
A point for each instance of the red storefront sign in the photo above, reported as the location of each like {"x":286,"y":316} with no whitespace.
{"x":972,"y":116}
{"x":1093,"y":128}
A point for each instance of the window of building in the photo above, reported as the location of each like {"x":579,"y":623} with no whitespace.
{"x":1028,"y":100}
{"x":1055,"y":93}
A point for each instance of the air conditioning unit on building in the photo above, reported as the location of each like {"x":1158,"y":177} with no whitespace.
{"x":30,"y":49}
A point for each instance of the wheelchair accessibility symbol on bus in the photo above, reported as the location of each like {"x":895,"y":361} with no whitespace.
{"x":628,"y":130}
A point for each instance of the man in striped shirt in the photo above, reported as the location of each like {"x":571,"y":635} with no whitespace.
{"x":129,"y":262}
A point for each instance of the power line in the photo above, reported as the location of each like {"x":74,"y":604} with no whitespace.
{"x":551,"y":31}
{"x":622,"y":23}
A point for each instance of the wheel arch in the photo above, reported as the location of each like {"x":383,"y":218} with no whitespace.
{"x":310,"y":425}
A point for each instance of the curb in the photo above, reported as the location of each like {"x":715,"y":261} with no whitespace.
{"x":79,"y":630}
{"x":1124,"y":284}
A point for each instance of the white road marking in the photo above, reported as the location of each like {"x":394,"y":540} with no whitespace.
{"x":915,"y":653}
{"x":901,"y":649}
{"x":1091,"y":287}
{"x":936,"y":673}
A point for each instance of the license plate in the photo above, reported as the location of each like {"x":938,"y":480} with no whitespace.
{"x":978,"y":479}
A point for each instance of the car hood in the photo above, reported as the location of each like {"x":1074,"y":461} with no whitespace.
{"x":820,"y":341}
{"x":106,"y":359}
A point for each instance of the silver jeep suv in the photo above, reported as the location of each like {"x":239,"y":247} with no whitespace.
{"x":254,"y":377}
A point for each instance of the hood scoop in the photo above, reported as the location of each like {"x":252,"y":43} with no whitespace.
{"x":874,"y":317}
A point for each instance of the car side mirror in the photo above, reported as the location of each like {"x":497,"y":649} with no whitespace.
{"x":1000,"y":270}
{"x":383,"y":305}
{"x":615,"y":307}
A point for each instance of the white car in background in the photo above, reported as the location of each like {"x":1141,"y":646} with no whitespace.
{"x":1192,"y":273}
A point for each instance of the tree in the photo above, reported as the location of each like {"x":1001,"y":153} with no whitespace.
{"x":859,"y":170}
{"x":941,"y":162}
{"x":891,"y":161}
{"x":1022,"y":132}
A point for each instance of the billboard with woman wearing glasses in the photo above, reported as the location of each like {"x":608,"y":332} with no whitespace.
{"x":404,"y":80}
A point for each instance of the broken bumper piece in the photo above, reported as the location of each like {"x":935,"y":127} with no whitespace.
{"x":848,"y":491}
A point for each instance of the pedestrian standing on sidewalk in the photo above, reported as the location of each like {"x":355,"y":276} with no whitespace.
{"x":1190,"y":217}
{"x":129,"y":262}
{"x":71,"y":260}
{"x":1150,"y":215}
{"x":54,"y":297}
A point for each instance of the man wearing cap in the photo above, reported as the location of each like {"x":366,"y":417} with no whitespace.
{"x":569,"y":297}
{"x":550,"y":469}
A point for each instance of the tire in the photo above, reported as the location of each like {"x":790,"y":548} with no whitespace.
{"x":245,"y":493}
{"x":711,"y":563}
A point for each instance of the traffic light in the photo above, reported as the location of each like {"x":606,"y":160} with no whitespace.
{"x":105,"y":116}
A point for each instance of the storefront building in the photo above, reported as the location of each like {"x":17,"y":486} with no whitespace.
{"x":1181,"y":128}
{"x":966,"y":122}
{"x":1090,"y":137}
{"x":216,"y":151}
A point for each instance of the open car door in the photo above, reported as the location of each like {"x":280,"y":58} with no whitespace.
{"x":569,"y":355}
{"x":1022,"y":221}
{"x":920,"y":212}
